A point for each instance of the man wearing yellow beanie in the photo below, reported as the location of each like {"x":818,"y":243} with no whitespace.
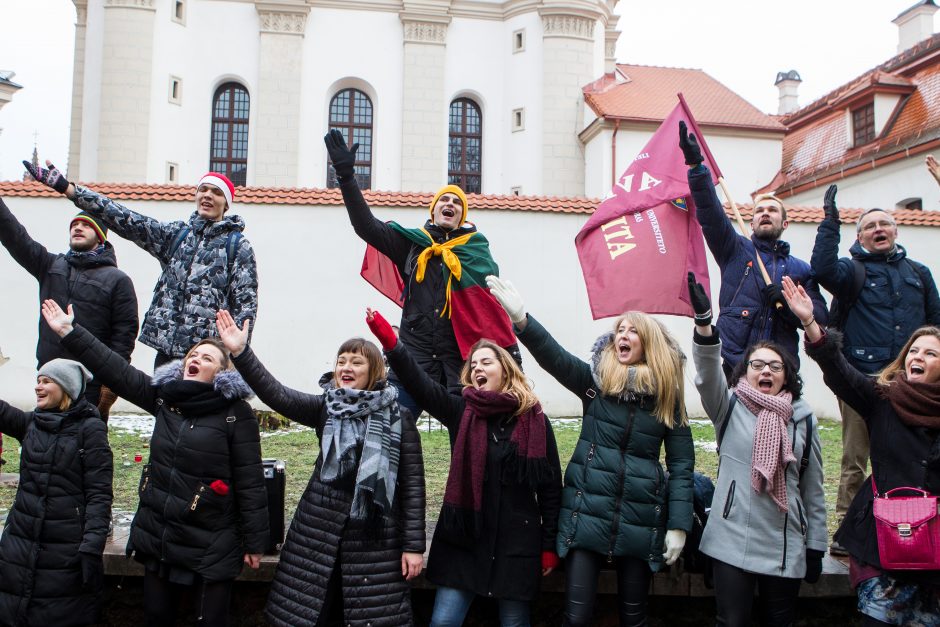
{"x":436,"y":274}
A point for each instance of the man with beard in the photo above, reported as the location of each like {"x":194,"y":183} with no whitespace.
{"x":437,"y":274}
{"x":207,"y":264}
{"x":881,"y":297}
{"x":86,"y":276}
{"x":750,"y":309}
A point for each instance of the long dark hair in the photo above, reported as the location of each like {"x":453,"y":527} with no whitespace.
{"x":791,"y":381}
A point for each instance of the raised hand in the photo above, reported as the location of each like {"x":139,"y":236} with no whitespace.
{"x":690,"y":146}
{"x":799,"y":302}
{"x":59,"y":321}
{"x":700,"y":303}
{"x":829,"y":204}
{"x":382,"y":330}
{"x":50,"y":177}
{"x":235,"y":339}
{"x":933,"y":167}
{"x":507,"y":295}
{"x":343,"y":158}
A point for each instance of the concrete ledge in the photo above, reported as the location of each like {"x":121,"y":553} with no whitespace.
{"x":834,"y":581}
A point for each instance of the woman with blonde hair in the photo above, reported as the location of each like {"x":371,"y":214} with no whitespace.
{"x":616,"y":504}
{"x":495,"y":535}
{"x":901,"y":409}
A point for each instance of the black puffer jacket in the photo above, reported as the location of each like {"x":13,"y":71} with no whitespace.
{"x":901,"y":455}
{"x":203,"y":433}
{"x":374,"y":592}
{"x":102,"y":296}
{"x":62,"y":509}
{"x":519,"y":523}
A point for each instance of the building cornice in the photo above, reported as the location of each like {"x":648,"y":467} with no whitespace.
{"x":81,"y":12}
{"x":146,"y":5}
{"x":567,"y":25}
{"x":480,"y":10}
{"x":282,"y":18}
{"x":425,"y":30}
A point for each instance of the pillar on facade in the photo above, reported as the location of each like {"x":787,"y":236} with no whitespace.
{"x":125,"y":91}
{"x":277,"y":103}
{"x":73,"y":171}
{"x":424,"y":110}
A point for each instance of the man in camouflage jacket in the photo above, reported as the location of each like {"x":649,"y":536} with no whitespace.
{"x":207,"y":264}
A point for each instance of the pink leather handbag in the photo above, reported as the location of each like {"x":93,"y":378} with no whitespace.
{"x":908,"y":529}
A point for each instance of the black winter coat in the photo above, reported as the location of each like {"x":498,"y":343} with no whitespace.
{"x":102,"y":296}
{"x":900,"y":454}
{"x":894,"y":301}
{"x":181,"y":521}
{"x":374,"y":592}
{"x":62,"y":509}
{"x":519,"y":523}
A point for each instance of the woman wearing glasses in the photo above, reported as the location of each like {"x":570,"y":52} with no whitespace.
{"x":767,"y":525}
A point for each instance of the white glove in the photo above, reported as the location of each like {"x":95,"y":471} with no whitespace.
{"x":675,"y":540}
{"x":508,"y":297}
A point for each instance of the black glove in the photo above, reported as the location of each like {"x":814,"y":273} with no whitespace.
{"x":813,"y":565}
{"x":689,"y":146}
{"x":343,"y":158}
{"x":773,"y":294}
{"x":700,"y":303}
{"x":51,"y":177}
{"x":829,"y":204}
{"x":92,"y":571}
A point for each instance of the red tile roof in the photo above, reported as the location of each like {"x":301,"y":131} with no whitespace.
{"x":648,"y":93}
{"x":816,"y":148}
{"x":332,"y":197}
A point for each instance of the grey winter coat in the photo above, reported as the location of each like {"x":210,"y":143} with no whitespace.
{"x":746,"y":529}
{"x":198,"y":277}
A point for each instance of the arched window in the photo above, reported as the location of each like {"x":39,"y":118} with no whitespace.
{"x":351,"y":113}
{"x":229,"y":142}
{"x":466,"y":145}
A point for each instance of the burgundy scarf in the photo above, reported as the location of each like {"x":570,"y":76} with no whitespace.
{"x":463,"y":497}
{"x":916,"y":404}
{"x":771,"y":452}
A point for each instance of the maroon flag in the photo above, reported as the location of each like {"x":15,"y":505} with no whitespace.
{"x":643,"y":239}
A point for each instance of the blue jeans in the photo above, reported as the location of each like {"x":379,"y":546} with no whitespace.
{"x":451,"y":605}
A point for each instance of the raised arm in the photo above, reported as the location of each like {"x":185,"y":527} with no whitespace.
{"x":97,"y":474}
{"x":13,"y":421}
{"x":430,"y":395}
{"x":834,"y":274}
{"x":369,"y":228}
{"x":27,"y":252}
{"x":706,"y":353}
{"x":931,"y":298}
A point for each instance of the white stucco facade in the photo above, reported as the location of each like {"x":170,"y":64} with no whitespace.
{"x":305,"y":252}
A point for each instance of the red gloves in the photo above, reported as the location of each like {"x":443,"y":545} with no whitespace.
{"x":550,"y":559}
{"x":382,"y":330}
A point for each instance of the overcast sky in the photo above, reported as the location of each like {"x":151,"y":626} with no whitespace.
{"x":742,"y":43}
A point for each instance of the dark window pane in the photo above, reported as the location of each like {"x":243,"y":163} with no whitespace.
{"x":351,"y":113}
{"x":229,"y":134}
{"x":464,"y":156}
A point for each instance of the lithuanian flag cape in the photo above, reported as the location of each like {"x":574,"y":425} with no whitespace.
{"x":473,"y":312}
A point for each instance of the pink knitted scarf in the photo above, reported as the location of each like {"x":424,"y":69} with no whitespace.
{"x":772,"y":450}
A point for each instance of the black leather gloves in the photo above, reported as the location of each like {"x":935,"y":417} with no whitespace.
{"x":829,"y":204}
{"x":689,"y":145}
{"x":813,"y":565}
{"x":700,"y":303}
{"x":343,"y":158}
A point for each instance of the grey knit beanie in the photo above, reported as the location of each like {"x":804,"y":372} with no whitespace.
{"x":71,"y":375}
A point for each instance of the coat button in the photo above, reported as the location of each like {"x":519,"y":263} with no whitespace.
{"x":577,"y":493}
{"x":365,"y":579}
{"x":574,"y":514}
{"x":568,"y":542}
{"x":657,"y":509}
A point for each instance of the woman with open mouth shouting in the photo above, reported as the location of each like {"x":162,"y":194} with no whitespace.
{"x":767,"y":527}
{"x":358,"y":534}
{"x":901,"y":408}
{"x":203,"y":507}
{"x":616,"y":504}
{"x":495,"y":536}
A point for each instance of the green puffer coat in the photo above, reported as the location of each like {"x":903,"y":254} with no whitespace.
{"x":615,"y":467}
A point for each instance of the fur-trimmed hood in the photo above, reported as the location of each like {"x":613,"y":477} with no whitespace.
{"x":606,"y":339}
{"x":229,"y":383}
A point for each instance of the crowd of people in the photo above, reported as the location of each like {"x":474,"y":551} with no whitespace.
{"x":509,"y":515}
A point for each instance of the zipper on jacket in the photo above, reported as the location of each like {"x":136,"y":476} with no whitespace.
{"x":195,"y":503}
{"x":799,"y":508}
{"x":747,"y":271}
{"x":729,"y":500}
{"x":615,"y":526}
{"x":786,"y":520}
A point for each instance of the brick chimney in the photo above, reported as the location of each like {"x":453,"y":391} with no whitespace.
{"x":788,"y":83}
{"x":915,"y":24}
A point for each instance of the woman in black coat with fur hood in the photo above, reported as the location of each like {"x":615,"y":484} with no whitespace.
{"x":203,"y":505}
{"x":50,"y":554}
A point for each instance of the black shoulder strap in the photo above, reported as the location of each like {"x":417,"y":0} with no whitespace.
{"x":231,"y":247}
{"x":587,"y":398}
{"x":839,"y":308}
{"x":180,"y":236}
{"x":724,"y":423}
{"x":807,"y":445}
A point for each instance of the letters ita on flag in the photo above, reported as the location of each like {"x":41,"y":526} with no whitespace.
{"x":643,"y":238}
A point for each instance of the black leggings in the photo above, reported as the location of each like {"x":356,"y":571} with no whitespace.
{"x":734,"y":596}
{"x":633,"y":583}
{"x":162,"y":599}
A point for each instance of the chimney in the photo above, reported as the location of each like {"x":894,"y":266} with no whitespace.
{"x":788,"y":83}
{"x":915,"y":24}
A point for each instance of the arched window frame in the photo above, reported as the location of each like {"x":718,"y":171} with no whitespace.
{"x":465,"y":145}
{"x":352,"y":113}
{"x":228,"y":138}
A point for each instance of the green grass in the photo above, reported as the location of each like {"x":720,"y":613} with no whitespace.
{"x":300,"y":449}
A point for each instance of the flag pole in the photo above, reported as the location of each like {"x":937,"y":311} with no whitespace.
{"x":745,"y":231}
